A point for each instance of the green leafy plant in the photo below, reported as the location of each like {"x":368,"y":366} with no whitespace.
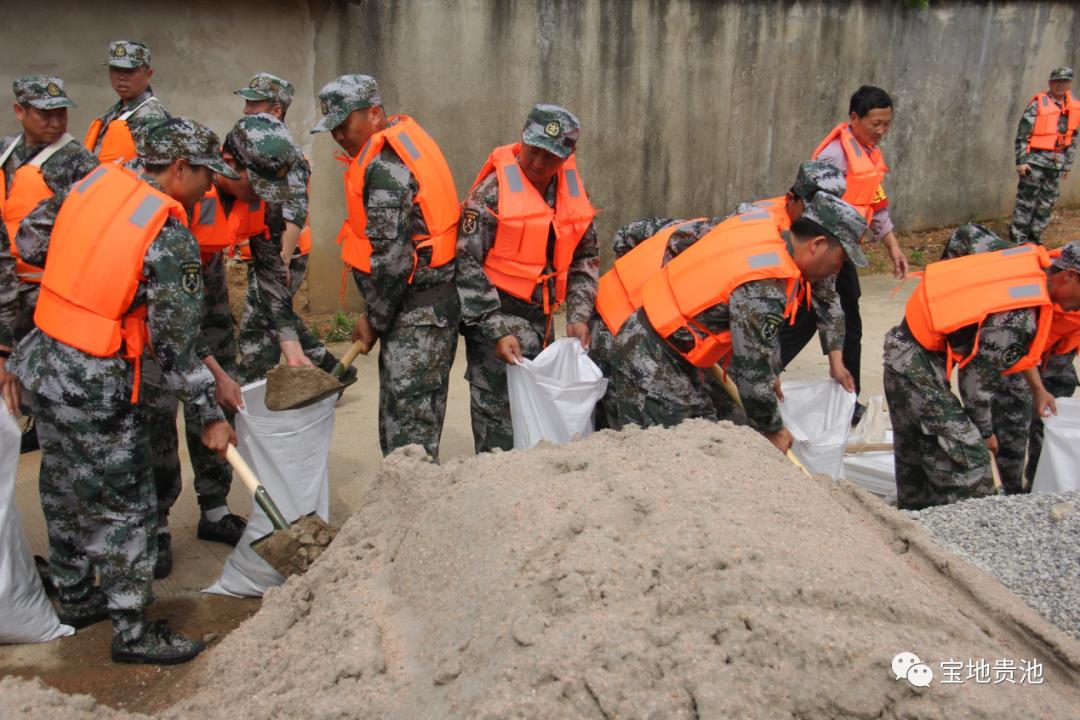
{"x":918,"y":257}
{"x":340,"y":328}
{"x":918,"y":4}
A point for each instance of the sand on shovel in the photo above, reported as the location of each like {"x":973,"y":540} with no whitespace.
{"x":682,"y":573}
{"x":288,"y":386}
{"x":291,"y":552}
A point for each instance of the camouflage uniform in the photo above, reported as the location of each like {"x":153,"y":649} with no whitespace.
{"x":652,"y":384}
{"x":1011,"y":404}
{"x":96,"y":483}
{"x":417,"y":321}
{"x":64,"y":168}
{"x":130,"y":55}
{"x":1037,"y":191}
{"x":489,"y":314}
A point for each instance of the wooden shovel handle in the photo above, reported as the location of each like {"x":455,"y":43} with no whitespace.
{"x":358,"y":348}
{"x":856,"y":448}
{"x":247,"y":476}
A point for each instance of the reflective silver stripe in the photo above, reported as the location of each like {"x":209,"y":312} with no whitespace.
{"x":1017,"y":250}
{"x":1046,"y":101}
{"x":28,"y":275}
{"x":408,"y":143}
{"x":769,"y":259}
{"x":755,"y":214}
{"x":145,"y":211}
{"x":572,"y":183}
{"x":89,"y":180}
{"x":856,"y":148}
{"x":513,"y":176}
{"x":207,"y":211}
{"x":1024,"y":291}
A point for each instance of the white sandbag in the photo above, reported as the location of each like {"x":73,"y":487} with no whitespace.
{"x":552,"y":397}
{"x":818,"y":414}
{"x":26,"y":615}
{"x":289,"y":453}
{"x":1059,"y":463}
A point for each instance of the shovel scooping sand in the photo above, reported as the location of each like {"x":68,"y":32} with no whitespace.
{"x":289,"y":387}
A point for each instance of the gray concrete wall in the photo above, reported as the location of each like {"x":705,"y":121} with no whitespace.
{"x":688,"y":106}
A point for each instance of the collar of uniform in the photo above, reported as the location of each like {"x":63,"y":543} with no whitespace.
{"x":146,"y":95}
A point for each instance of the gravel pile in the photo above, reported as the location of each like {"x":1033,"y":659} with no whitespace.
{"x":1029,"y":542}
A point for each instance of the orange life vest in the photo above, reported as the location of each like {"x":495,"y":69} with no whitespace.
{"x":516,"y":262}
{"x":247,"y":220}
{"x":866,"y":169}
{"x":963,"y":291}
{"x":618,"y":295}
{"x":210,"y":226}
{"x":777,"y":208}
{"x":28,"y":189}
{"x":118,"y":145}
{"x":95,"y":264}
{"x":741,"y":249}
{"x":1064,"y":335}
{"x":1045,"y":135}
{"x":437,"y":196}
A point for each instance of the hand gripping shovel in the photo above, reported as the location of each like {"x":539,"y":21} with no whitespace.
{"x":289,"y":549}
{"x":289,"y":388}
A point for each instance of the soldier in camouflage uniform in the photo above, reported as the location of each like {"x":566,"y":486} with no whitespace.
{"x":941,"y":445}
{"x":411,"y":307}
{"x":267,"y":93}
{"x":96,"y":483}
{"x":1010,"y":405}
{"x":129,"y":74}
{"x":42,"y":111}
{"x":652,"y":384}
{"x":497,"y":326}
{"x":1041,"y":171}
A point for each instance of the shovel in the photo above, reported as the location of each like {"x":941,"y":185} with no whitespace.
{"x":289,"y":549}
{"x":721,"y":377}
{"x":289,"y":388}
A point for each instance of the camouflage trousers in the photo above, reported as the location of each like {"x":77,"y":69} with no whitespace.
{"x":940,"y":455}
{"x":259,"y":351}
{"x":213,"y":475}
{"x":97,"y":495}
{"x":1036,"y":194}
{"x":600,"y":340}
{"x":1059,"y":379}
{"x":1011,"y":410}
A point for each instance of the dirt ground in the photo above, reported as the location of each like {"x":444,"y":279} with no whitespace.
{"x":80,"y":664}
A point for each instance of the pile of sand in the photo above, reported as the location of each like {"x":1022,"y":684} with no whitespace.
{"x":646,"y":574}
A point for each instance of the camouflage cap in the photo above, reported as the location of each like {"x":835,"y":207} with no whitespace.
{"x":265,"y":86}
{"x":41,"y":91}
{"x":552,"y":128}
{"x":178,"y":138}
{"x":1061,"y":73}
{"x":263,"y":145}
{"x":127,"y":54}
{"x":818,"y":175}
{"x":970,"y":239}
{"x":842,"y":221}
{"x":1069,"y":259}
{"x":340,"y":97}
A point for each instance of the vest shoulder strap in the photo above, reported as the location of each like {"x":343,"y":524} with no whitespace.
{"x":10,"y":149}
{"x":43,"y":157}
{"x":125,"y":115}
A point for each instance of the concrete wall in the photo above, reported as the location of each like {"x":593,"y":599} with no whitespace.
{"x":688,"y":106}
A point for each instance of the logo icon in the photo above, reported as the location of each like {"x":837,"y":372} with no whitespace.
{"x":254,"y":83}
{"x":325,"y":107}
{"x":53,"y":89}
{"x":119,"y":51}
{"x":908,"y":666}
{"x":553,"y":128}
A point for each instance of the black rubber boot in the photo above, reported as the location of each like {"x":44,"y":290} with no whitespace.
{"x":159,"y":645}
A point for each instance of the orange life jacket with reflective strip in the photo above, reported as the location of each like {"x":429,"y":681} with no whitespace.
{"x":618,"y":295}
{"x":866,"y":169}
{"x":777,"y":208}
{"x":95,"y":264}
{"x":210,"y":226}
{"x":1064,"y":334}
{"x":28,"y":189}
{"x":516,"y":262}
{"x":118,"y":145}
{"x":437,"y":196}
{"x":963,"y":291}
{"x":741,"y":249}
{"x":1045,"y":135}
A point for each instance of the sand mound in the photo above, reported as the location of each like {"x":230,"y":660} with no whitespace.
{"x":646,"y":574}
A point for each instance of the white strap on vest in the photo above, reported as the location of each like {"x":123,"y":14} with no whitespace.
{"x":10,"y":149}
{"x":42,"y":157}
{"x":132,"y":111}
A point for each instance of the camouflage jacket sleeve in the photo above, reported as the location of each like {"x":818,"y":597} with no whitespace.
{"x":1070,"y":154}
{"x":174,"y":295}
{"x":389,"y":190}
{"x":583,"y":278}
{"x":632,"y":234}
{"x":32,"y":239}
{"x":149,"y":114}
{"x":756,"y":311}
{"x":829,"y":313}
{"x":295,"y":209}
{"x":480,"y":304}
{"x":1023,"y":132}
{"x":67,"y":166}
{"x":1003,"y":339}
{"x":9,"y":289}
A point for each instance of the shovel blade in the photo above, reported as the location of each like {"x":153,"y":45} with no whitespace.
{"x":289,"y":388}
{"x":291,"y":552}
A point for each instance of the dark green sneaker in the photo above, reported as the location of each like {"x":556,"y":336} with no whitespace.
{"x":85,"y":613}
{"x":158,"y":646}
{"x":163,"y":565}
{"x":227,"y":530}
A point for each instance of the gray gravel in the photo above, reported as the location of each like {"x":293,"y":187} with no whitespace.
{"x":1029,"y":542}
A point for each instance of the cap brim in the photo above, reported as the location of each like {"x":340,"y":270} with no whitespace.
{"x":539,"y":140}
{"x":216,"y":164}
{"x":855,"y":254}
{"x":52,"y":103}
{"x":331,"y":121}
{"x":124,"y":64}
{"x":249,"y":94}
{"x":271,"y":191}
